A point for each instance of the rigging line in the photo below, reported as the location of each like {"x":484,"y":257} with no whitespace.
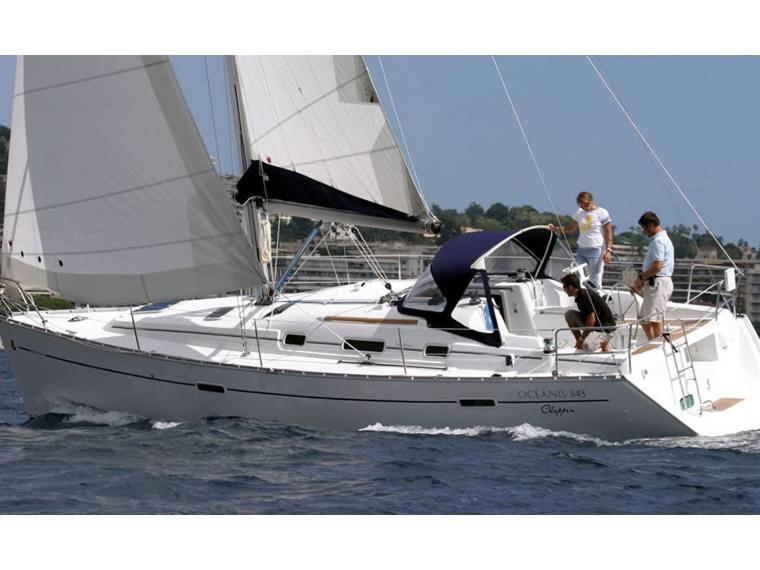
{"x":213,"y":118}
{"x":532,"y":156}
{"x":540,"y":175}
{"x":362,"y":253}
{"x":660,"y":176}
{"x":345,"y":260}
{"x":366,"y":254}
{"x":322,"y":324}
{"x":403,"y":136}
{"x":302,"y":262}
{"x":370,"y":257}
{"x":332,"y":263}
{"x":659,"y":162}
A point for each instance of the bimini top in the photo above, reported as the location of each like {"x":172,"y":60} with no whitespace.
{"x":518,"y":254}
{"x":502,"y":252}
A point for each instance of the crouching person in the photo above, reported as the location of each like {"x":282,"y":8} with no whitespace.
{"x":592,"y":313}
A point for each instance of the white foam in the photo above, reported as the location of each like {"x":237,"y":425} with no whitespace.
{"x":523,"y":432}
{"x":419,"y":430}
{"x":112,"y":419}
{"x":165,"y":425}
{"x":83,"y":414}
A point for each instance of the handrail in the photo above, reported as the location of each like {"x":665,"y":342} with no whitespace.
{"x":724,"y":295}
{"x":612,"y":352}
{"x":26,"y":302}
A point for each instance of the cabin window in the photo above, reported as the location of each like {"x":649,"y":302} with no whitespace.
{"x":436,"y":350}
{"x":295,"y":339}
{"x":364,"y":345}
{"x":512,"y":260}
{"x":425,"y":294}
{"x":155,"y":307}
{"x":558,"y":261}
{"x":218,"y":313}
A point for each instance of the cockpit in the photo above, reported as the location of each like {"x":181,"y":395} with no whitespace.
{"x":483,"y":282}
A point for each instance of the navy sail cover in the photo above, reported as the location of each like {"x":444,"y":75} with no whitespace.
{"x":288,"y":186}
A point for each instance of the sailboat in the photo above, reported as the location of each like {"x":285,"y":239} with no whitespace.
{"x":113,"y":202}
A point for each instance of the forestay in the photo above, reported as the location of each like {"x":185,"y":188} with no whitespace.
{"x":320,"y":117}
{"x":111,"y":195}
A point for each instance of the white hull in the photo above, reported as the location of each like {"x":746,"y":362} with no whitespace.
{"x":177,"y":377}
{"x":53,"y":369}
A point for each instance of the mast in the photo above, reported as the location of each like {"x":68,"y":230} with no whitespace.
{"x":255,"y":217}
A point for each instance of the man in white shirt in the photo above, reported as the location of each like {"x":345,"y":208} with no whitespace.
{"x":654,"y":282}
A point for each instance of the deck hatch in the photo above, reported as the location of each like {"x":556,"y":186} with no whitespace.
{"x":218,"y":313}
{"x":151,"y":307}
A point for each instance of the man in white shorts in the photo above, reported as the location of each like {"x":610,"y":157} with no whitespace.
{"x":654,"y":282}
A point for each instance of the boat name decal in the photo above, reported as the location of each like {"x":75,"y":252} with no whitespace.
{"x":544,"y":395}
{"x":558,"y":411}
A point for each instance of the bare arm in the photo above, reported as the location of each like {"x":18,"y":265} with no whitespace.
{"x":569,"y":228}
{"x":650,"y":271}
{"x":608,"y":240}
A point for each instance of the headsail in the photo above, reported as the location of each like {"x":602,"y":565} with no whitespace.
{"x":316,"y":125}
{"x":111,"y":195}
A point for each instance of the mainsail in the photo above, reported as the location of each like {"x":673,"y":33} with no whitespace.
{"x":111,"y":195}
{"x":319,"y":142}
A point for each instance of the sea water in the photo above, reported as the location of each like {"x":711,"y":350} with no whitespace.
{"x":87,"y":461}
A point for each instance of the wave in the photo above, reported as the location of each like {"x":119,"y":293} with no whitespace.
{"x":165,"y":425}
{"x":745,"y":442}
{"x":522,"y":432}
{"x":90,"y":416}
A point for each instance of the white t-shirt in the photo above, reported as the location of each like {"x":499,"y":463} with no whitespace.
{"x":590,"y":225}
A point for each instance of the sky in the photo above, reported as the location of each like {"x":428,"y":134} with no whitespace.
{"x":699,"y":113}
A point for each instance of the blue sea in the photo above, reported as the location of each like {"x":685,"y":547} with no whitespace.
{"x":94,"y":462}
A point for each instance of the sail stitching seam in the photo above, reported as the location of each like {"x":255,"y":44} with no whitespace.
{"x":308,"y":105}
{"x":91,"y":78}
{"x":117,"y":193}
{"x":343,"y":156}
{"x":137,"y":247}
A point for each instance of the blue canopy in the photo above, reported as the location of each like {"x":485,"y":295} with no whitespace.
{"x":452,"y":270}
{"x":452,"y":266}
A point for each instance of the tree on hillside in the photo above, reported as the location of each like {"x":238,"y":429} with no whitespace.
{"x":684,"y":245}
{"x":498,"y":212}
{"x":5,"y":143}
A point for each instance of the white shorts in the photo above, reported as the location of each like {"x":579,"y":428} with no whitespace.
{"x":656,"y":300}
{"x":595,"y":340}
